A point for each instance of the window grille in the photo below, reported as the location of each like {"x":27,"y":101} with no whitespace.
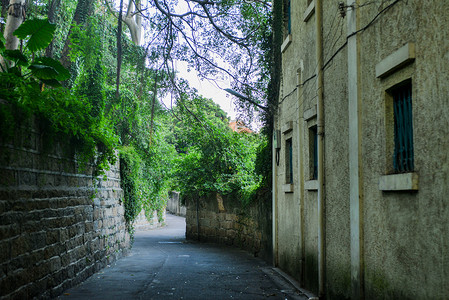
{"x":287,"y":18}
{"x":403,"y":160}
{"x":313,"y":136}
{"x":289,"y":161}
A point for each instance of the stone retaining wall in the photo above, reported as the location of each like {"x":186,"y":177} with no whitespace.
{"x":58,"y":225}
{"x":224,"y":220}
{"x":144,"y":223}
{"x":175,"y":206}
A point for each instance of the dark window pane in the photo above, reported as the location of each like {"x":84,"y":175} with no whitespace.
{"x":403,"y":159}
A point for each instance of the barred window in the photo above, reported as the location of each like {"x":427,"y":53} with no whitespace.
{"x":403,"y":158}
{"x":288,"y":161}
{"x":313,"y":150}
{"x":287,"y":18}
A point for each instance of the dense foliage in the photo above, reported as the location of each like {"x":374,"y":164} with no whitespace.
{"x":213,"y":158}
{"x":22,"y":88}
{"x":188,"y":147}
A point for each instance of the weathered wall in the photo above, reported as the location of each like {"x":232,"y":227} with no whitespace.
{"x":147,"y":221}
{"x":223,"y":220}
{"x":336,"y":151}
{"x":57,"y":225}
{"x":295,"y":234}
{"x":403,"y":241}
{"x":174,"y":205}
{"x":407,"y":233}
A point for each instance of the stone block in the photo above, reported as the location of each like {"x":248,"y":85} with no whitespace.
{"x":230,"y":217}
{"x":9,"y":285}
{"x":27,"y":178}
{"x":37,"y":240}
{"x":75,"y":242}
{"x":20,"y":245}
{"x":227,"y":225}
{"x":5,"y":251}
{"x":222,"y":232}
{"x":37,"y":287}
{"x":52,"y":250}
{"x":8,"y":231}
{"x":88,"y":227}
{"x":65,"y":259}
{"x":8,"y":178}
{"x":6,"y":195}
{"x":64,"y":235}
{"x":55,"y":264}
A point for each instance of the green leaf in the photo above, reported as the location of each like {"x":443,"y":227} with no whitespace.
{"x":62,"y":73}
{"x":16,"y":56}
{"x":51,"y":82}
{"x":43,"y":72}
{"x":2,"y":42}
{"x":40,"y":32}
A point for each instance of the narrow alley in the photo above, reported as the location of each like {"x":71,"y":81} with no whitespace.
{"x":163,"y":265}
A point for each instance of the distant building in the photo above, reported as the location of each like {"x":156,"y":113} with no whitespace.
{"x":361,"y":150}
{"x":239,"y":126}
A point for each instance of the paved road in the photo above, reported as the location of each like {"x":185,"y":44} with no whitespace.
{"x":163,"y":265}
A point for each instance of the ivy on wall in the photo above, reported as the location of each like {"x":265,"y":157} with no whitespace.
{"x":31,"y":87}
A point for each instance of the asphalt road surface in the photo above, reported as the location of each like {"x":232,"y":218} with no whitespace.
{"x":163,"y":265}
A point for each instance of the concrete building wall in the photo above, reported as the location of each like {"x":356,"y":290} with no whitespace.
{"x":336,"y":153}
{"x":406,"y":232}
{"x":294,"y":247}
{"x":58,"y":225}
{"x":377,"y":243}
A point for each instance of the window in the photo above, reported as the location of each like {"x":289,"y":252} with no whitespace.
{"x":288,"y":161}
{"x":313,"y":152}
{"x":403,"y":157}
{"x":287,"y":18}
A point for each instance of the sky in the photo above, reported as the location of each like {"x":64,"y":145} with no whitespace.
{"x":208,"y":89}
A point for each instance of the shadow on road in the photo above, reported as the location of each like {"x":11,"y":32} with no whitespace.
{"x":163,"y":265}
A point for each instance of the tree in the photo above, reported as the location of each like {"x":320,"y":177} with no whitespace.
{"x":53,"y":8}
{"x":84,"y":9}
{"x":216,"y":38}
{"x":132,"y":18}
{"x":16,"y":16}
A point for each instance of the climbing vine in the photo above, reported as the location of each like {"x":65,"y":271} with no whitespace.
{"x":187,"y":147}
{"x":31,"y":87}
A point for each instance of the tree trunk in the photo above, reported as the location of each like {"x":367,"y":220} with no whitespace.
{"x":53,"y":8}
{"x":16,"y":15}
{"x":119,"y":51}
{"x":84,"y":8}
{"x":133,"y":20}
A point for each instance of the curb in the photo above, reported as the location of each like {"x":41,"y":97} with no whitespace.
{"x":293,"y":282}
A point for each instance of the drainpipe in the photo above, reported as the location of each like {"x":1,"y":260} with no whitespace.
{"x":301,"y":171}
{"x":320,"y":132}
{"x":355,"y":154}
{"x":275,"y":201}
